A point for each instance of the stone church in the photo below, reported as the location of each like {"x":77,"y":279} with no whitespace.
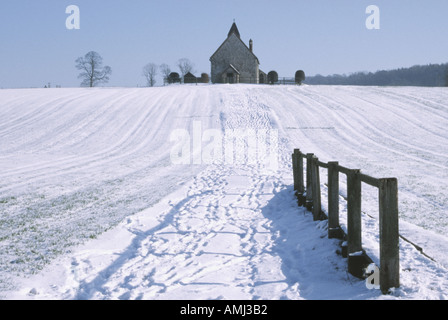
{"x":235,"y":62}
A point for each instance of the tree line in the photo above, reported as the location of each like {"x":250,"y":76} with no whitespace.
{"x":93,"y":73}
{"x":431,"y":75}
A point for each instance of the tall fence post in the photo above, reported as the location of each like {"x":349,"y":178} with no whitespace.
{"x":334,"y":229}
{"x":354,"y":239}
{"x":309,"y":185}
{"x":389,"y":234}
{"x":315,"y":183}
{"x":295,"y":169}
{"x":298,"y":177}
{"x":354,"y":211}
{"x":297,"y":165}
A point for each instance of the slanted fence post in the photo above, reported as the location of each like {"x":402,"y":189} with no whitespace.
{"x":389,"y":234}
{"x":334,"y":229}
{"x":309,"y":188}
{"x":315,"y":184}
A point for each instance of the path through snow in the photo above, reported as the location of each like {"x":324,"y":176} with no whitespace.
{"x":89,"y":194}
{"x":230,"y":234}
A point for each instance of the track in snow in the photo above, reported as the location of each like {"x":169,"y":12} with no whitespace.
{"x":77,"y":162}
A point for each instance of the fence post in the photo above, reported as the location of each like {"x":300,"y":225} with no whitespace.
{"x":295,"y":169}
{"x":389,"y":234}
{"x":302,"y":186}
{"x":298,"y":176}
{"x":316,"y":188}
{"x":354,"y":240}
{"x":334,"y":230}
{"x":309,"y":175}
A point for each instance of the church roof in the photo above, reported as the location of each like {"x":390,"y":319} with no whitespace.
{"x":234,"y":29}
{"x":231,"y":67}
{"x":189,"y":75}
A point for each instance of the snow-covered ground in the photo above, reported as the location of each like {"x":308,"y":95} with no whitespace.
{"x":94,"y":203}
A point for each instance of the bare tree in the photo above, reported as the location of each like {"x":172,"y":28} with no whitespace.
{"x":185,"y":66}
{"x":166,"y":70}
{"x":150,"y":72}
{"x":92,"y":71}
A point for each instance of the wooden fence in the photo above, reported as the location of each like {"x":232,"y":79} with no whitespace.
{"x":309,"y":195}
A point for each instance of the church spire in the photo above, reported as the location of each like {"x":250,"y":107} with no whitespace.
{"x":234,"y":29}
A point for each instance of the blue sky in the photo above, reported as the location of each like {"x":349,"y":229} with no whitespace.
{"x":319,"y":36}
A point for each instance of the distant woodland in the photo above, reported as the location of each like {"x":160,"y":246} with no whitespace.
{"x":432,"y":75}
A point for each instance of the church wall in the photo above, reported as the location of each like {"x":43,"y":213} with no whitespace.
{"x":234,"y":52}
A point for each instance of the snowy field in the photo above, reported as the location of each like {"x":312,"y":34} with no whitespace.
{"x":94,"y":203}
